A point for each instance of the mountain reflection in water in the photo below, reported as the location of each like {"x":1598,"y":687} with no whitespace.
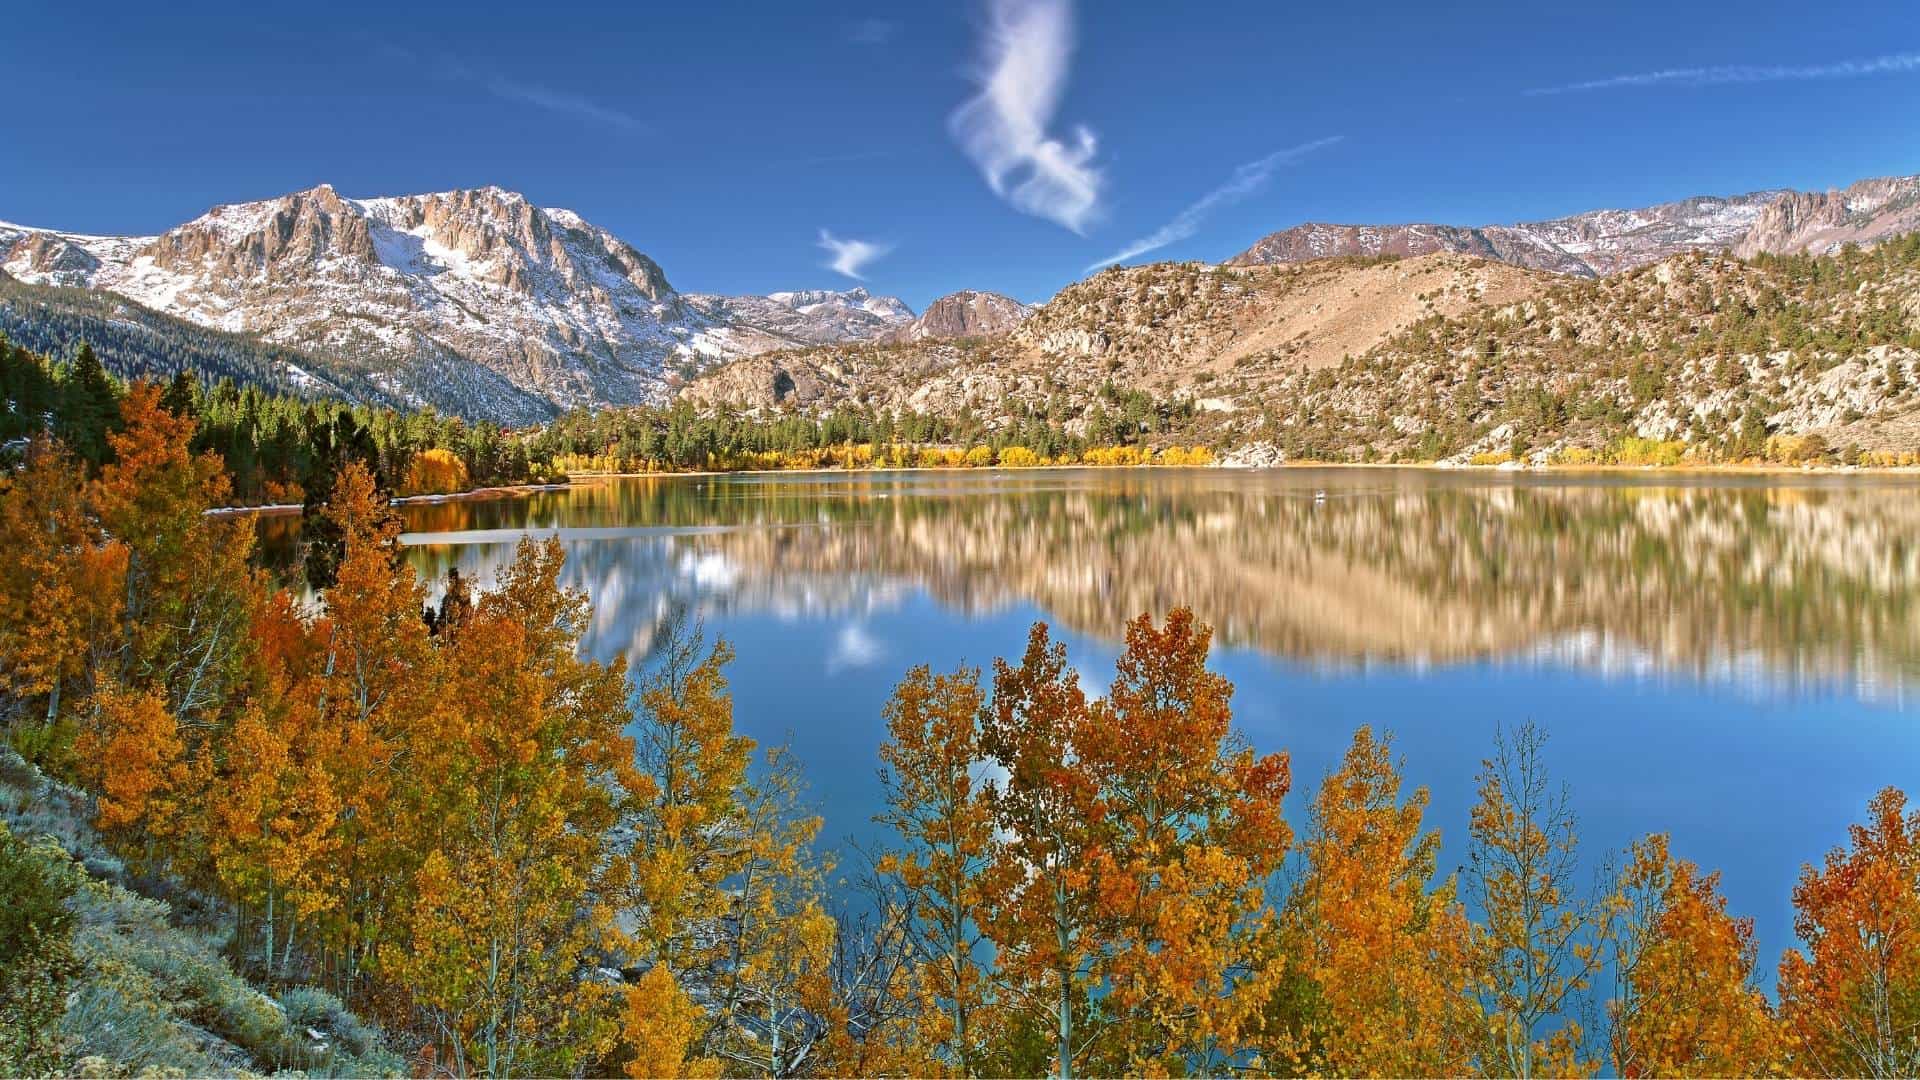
{"x":1776,"y":581}
{"x":1727,"y":658}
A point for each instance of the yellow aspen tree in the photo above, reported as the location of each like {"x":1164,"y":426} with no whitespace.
{"x":1542,"y":941}
{"x":660,"y":1027}
{"x":942,"y":857}
{"x":1685,"y":1002}
{"x":1189,"y":837}
{"x":374,"y":684}
{"x":1375,"y":976}
{"x":686,"y":812}
{"x":273,"y":834}
{"x":506,"y":916}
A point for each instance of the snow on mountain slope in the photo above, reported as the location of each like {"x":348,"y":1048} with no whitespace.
{"x":809,"y":316}
{"x":475,"y":301}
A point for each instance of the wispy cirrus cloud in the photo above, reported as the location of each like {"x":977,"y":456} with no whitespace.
{"x":452,"y":68}
{"x":870,"y":31}
{"x":564,"y":102}
{"x":850,"y":257}
{"x":1891,"y":64}
{"x":1003,"y":128}
{"x":1245,"y":181}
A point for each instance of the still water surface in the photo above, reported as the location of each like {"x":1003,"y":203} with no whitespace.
{"x":1731,"y":659}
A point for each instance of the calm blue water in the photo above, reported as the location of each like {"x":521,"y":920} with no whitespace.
{"x":1730,"y":660}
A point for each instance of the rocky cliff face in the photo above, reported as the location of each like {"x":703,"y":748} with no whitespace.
{"x":965,"y":314}
{"x":474,"y":301}
{"x":1820,"y":223}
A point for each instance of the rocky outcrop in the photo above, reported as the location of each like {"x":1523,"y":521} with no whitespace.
{"x":51,"y":259}
{"x":964,"y":314}
{"x":1820,"y":223}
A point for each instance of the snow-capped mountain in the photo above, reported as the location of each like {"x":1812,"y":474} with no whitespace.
{"x":810,"y":316}
{"x":475,"y":301}
{"x":1592,"y":244}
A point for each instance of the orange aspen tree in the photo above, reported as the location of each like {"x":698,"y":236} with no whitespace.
{"x":131,"y":751}
{"x":1685,"y":1004}
{"x":946,"y":847}
{"x":1043,"y":922}
{"x":374,"y":683}
{"x":1541,"y":942}
{"x":60,"y":584}
{"x":1189,"y":837}
{"x":186,"y":601}
{"x":189,"y":588}
{"x":275,"y":814}
{"x":505,"y":916}
{"x":1850,"y":996}
{"x":1377,"y":964}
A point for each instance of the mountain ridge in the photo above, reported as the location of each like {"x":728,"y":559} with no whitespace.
{"x":474,"y":300}
{"x":479,"y":302}
{"x":1598,"y":243}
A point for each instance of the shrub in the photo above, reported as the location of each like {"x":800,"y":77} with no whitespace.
{"x":36,"y":954}
{"x":1796,"y":449}
{"x":1632,"y":450}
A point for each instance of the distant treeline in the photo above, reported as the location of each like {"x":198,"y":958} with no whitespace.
{"x":683,"y":436}
{"x":276,"y":447}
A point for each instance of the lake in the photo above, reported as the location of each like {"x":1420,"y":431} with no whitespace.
{"x":1729,"y":658}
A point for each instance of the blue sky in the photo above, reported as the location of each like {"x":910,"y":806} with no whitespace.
{"x":728,"y":140}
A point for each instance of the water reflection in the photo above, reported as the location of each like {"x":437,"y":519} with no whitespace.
{"x":1767,"y":581}
{"x":1713,"y":656}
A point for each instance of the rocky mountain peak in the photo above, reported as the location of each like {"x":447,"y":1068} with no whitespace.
{"x":968,"y":313}
{"x":475,"y":300}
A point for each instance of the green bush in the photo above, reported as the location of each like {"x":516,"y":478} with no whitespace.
{"x":36,"y":955}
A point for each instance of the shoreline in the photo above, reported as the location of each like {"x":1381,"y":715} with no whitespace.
{"x":579,"y":479}
{"x":491,"y":492}
{"x":1758,"y":469}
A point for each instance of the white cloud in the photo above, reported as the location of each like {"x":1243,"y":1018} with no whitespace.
{"x":1893,"y":64}
{"x":1003,"y":127}
{"x":854,"y":647}
{"x":561,"y":101}
{"x":1245,"y":180}
{"x":850,"y":256}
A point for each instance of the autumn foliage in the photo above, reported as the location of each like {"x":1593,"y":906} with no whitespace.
{"x":523,"y":862}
